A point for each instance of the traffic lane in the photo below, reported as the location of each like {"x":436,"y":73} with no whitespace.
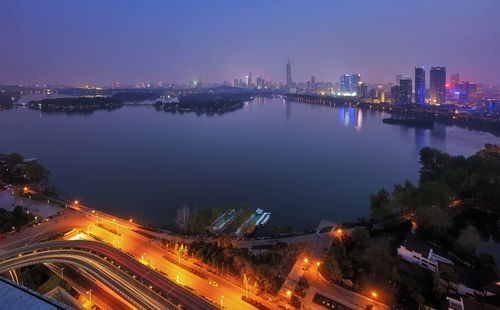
{"x":128,"y":287}
{"x":143,"y":272}
{"x":84,"y":282}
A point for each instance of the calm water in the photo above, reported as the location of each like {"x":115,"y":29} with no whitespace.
{"x":301,"y":162}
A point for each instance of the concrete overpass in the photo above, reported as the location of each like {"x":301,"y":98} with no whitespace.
{"x":140,"y":285}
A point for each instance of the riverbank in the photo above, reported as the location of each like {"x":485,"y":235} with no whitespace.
{"x":443,"y":115}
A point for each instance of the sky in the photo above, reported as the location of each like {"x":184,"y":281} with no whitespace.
{"x":97,"y":42}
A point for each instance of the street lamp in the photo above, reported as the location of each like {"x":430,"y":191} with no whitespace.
{"x":89,"y":292}
{"x":114,"y":220}
{"x":374,"y":294}
{"x":306,"y":260}
{"x":76,"y":202}
{"x":221,"y":302}
{"x":289,"y":293}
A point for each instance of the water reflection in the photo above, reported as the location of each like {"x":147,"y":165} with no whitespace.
{"x":351,"y":117}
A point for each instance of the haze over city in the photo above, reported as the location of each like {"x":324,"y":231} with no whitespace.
{"x":270,"y":155}
{"x":101,"y":42}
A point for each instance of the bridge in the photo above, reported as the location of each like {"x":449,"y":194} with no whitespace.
{"x":137,"y":283}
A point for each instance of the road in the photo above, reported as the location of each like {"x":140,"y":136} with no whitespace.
{"x":83,"y":283}
{"x":116,"y":269}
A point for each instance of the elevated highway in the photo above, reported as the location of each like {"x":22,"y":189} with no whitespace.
{"x":140,"y":285}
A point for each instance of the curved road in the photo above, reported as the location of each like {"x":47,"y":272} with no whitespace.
{"x":136,"y":282}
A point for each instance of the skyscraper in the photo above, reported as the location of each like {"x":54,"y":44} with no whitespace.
{"x":313,"y":83}
{"x":289,"y":82}
{"x":454,"y":81}
{"x":405,"y":90}
{"x":249,"y":79}
{"x":438,"y":85}
{"x":344,"y":84}
{"x":398,"y":78}
{"x":395,"y":94}
{"x":419,"y":85}
{"x":353,"y":83}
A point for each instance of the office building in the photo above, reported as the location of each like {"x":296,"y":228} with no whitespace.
{"x":419,"y":85}
{"x":395,"y":94}
{"x":289,"y":82}
{"x":313,"y":83}
{"x":405,"y":90}
{"x":438,"y":85}
{"x":353,"y":83}
{"x":344,"y":84}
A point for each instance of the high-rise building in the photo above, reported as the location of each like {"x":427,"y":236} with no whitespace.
{"x":345,"y":84}
{"x":454,"y":81}
{"x":438,"y":85}
{"x":395,"y":94}
{"x":353,"y":83}
{"x":249,"y":79}
{"x":361,"y":90}
{"x":405,"y":90}
{"x":289,"y":82}
{"x":419,"y":85}
{"x":235,"y":83}
{"x":260,"y":82}
{"x":313,"y":83}
{"x":398,"y":78}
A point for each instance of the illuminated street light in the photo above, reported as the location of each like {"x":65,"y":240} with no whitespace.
{"x":306,"y":260}
{"x":318,"y":263}
{"x":289,"y":293}
{"x":221,"y":300}
{"x":25,"y":189}
{"x":89,"y":292}
{"x":76,"y":202}
{"x":114,"y":220}
{"x":339,"y":231}
{"x":374,"y":294}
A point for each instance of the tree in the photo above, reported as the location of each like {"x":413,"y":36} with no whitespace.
{"x":331,"y":269}
{"x":34,"y":171}
{"x":274,"y":230}
{"x":468,"y":239}
{"x":380,"y":204}
{"x":224,"y":240}
{"x":433,"y":221}
{"x":13,"y":159}
{"x":360,"y":236}
{"x":437,"y":285}
{"x":182,"y":219}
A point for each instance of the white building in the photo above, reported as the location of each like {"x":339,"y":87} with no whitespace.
{"x":417,"y":251}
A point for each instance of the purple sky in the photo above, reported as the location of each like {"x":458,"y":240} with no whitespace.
{"x":98,"y":42}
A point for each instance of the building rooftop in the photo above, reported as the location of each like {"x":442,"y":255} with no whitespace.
{"x":19,"y":297}
{"x":414,"y":243}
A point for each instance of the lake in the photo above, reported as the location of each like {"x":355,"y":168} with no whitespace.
{"x":301,"y":162}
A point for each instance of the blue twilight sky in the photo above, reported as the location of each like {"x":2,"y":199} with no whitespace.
{"x":101,"y":41}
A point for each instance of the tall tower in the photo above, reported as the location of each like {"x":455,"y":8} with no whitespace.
{"x":289,"y":82}
{"x":419,"y":85}
{"x":405,"y":90}
{"x":344,"y":83}
{"x":438,"y":85}
{"x":249,"y":79}
{"x":313,"y":83}
{"x":353,"y":83}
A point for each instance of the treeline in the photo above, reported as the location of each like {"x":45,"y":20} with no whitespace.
{"x":135,"y":96}
{"x":15,"y":219}
{"x":448,"y":186}
{"x":77,"y":104}
{"x":14,"y":170}
{"x":209,"y":103}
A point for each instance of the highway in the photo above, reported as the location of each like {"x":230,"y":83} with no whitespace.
{"x":140,"y":285}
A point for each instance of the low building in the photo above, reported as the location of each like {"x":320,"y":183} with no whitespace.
{"x":416,"y":250}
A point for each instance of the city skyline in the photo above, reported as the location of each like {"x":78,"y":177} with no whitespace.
{"x":178,"y":42}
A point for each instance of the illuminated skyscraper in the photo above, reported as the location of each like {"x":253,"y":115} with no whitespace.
{"x":249,"y":79}
{"x":289,"y":82}
{"x":344,"y":84}
{"x":419,"y":85}
{"x":438,"y":85}
{"x":355,"y":79}
{"x":405,"y":90}
{"x":454,"y":81}
{"x":398,"y":78}
{"x":313,"y":83}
